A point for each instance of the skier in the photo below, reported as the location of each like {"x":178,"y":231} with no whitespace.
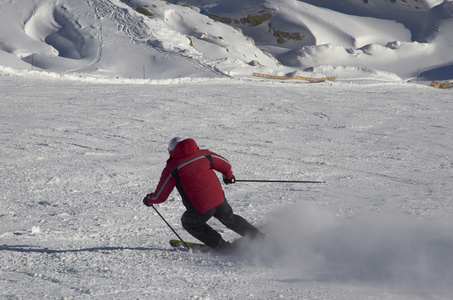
{"x":190,"y":169}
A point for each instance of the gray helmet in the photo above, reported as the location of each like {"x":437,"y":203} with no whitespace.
{"x":174,"y":141}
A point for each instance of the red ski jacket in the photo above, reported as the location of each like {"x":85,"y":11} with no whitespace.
{"x":191,"y":171}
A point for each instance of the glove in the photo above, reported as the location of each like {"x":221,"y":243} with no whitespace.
{"x":229,"y":181}
{"x":145,"y":201}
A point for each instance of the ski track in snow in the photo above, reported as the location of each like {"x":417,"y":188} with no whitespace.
{"x":98,"y":36}
{"x":78,"y":156}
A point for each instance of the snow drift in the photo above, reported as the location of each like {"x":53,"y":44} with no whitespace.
{"x":158,"y":39}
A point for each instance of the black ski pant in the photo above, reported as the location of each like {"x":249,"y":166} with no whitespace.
{"x":195,"y":223}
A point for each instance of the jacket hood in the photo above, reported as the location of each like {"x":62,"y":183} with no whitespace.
{"x":184,"y":148}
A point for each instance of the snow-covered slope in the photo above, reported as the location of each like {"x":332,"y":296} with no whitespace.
{"x":78,"y":155}
{"x":404,"y":38}
{"x":172,"y":39}
{"x":83,"y":139}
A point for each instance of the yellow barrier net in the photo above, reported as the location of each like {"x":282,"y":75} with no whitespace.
{"x":442,"y":85}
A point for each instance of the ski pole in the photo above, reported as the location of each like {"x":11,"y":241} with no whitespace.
{"x":281,"y":181}
{"x":170,"y":227}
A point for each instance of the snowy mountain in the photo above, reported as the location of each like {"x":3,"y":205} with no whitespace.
{"x":172,"y":39}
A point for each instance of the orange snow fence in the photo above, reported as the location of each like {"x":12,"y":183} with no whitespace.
{"x":294,"y":77}
{"x":442,"y":85}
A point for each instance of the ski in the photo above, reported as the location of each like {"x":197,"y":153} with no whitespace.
{"x":180,"y":244}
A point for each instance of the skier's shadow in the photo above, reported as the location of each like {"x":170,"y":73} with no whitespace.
{"x":37,"y":249}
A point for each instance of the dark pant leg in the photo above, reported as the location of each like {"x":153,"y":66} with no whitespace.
{"x":224,"y":213}
{"x":195,"y":224}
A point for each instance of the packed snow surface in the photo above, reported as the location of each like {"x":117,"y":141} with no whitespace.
{"x":93,"y":90}
{"x":78,"y":155}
